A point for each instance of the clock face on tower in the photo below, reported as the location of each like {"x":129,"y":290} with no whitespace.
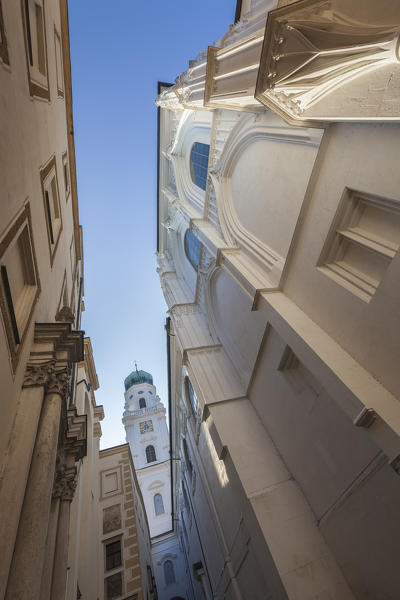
{"x":146,"y":426}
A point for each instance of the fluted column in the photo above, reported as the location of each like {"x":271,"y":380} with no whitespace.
{"x":47,"y":576}
{"x":29,"y":553}
{"x":15,"y":474}
{"x":64,"y":489}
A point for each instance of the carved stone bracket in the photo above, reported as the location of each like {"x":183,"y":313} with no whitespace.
{"x":65,"y":314}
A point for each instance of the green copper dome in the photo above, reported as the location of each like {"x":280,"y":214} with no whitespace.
{"x":137,"y":377}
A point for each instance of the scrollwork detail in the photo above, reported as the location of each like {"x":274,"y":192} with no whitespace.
{"x":54,"y":377}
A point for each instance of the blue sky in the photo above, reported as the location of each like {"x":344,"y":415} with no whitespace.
{"x":119,"y":51}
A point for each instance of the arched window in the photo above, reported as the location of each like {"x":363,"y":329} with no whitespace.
{"x":199,"y":164}
{"x":169,"y":574}
{"x":192,"y":249}
{"x":191,"y":397}
{"x":142,"y":403}
{"x":159,"y":504}
{"x":150,"y":454}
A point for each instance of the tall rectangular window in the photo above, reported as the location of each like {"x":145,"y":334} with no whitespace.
{"x":113,"y":555}
{"x":113,"y":586}
{"x":66,"y":174}
{"x":51,"y":205}
{"x":35,"y":42}
{"x":19,"y":282}
{"x":59,"y":64}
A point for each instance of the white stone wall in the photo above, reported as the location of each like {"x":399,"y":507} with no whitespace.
{"x":288,"y":336}
{"x":154,"y":477}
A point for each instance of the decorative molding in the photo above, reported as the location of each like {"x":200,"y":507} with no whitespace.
{"x":66,"y":479}
{"x":65,"y":314}
{"x":58,"y":337}
{"x":265,"y":263}
{"x":53,"y":377}
{"x":193,"y":127}
{"x":315,"y":59}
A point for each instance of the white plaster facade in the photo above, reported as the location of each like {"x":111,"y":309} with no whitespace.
{"x":287,"y":478}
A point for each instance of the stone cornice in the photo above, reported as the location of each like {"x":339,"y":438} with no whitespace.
{"x":90,"y":366}
{"x":57,"y":340}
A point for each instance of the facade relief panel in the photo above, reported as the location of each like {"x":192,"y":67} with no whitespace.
{"x":112,"y":518}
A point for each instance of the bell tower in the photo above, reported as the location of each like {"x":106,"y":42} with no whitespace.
{"x":146,"y":430}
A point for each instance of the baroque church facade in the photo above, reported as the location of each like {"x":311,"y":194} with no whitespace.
{"x":278,"y":239}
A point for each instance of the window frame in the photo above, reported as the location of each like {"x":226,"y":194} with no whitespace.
{"x":148,"y":453}
{"x":186,"y":249}
{"x":108,"y":543}
{"x":9,"y":313}
{"x":109,"y":576}
{"x":193,"y":164}
{"x":193,"y":403}
{"x":4,"y":57}
{"x":53,"y":235}
{"x":157,"y":514}
{"x":39,"y":89}
{"x":64,"y":299}
{"x":173,"y":580}
{"x":59,"y":76}
{"x":66,"y":175}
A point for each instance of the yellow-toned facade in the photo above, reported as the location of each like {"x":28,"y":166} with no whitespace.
{"x":50,"y":429}
{"x":124,"y":528}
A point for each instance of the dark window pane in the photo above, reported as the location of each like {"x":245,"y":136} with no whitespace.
{"x":199,"y":164}
{"x":150,"y":454}
{"x":113,"y":555}
{"x":114,"y":586}
{"x":192,"y":249}
{"x":192,"y":397}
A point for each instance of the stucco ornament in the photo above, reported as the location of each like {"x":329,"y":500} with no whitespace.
{"x":53,"y":376}
{"x":168,"y":99}
{"x":314,"y":49}
{"x":309,"y":60}
{"x":65,"y":483}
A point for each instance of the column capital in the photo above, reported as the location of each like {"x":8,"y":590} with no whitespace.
{"x":53,"y":375}
{"x":65,"y":481}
